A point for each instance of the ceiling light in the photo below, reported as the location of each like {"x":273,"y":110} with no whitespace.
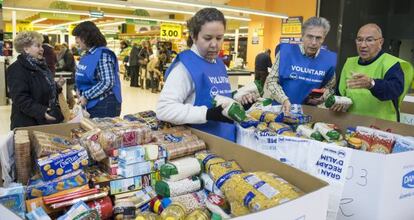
{"x":110,"y":24}
{"x":38,"y":20}
{"x":46,"y":10}
{"x":107,"y":15}
{"x":223,"y":8}
{"x":145,"y":7}
{"x":68,"y":23}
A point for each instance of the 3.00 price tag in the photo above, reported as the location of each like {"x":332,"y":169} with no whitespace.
{"x":171,"y":31}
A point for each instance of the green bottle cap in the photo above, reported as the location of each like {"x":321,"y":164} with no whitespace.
{"x":317,"y":136}
{"x":333,"y":135}
{"x":162,"y":188}
{"x":168,"y":170}
{"x":215,"y":216}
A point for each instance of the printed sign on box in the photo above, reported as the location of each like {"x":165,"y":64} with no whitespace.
{"x":379,"y":187}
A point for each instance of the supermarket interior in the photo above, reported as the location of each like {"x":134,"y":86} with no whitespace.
{"x":207,"y":109}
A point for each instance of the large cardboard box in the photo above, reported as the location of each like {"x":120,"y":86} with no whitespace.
{"x":378,"y":186}
{"x":312,"y":206}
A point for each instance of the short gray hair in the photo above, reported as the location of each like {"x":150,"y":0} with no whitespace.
{"x":316,"y":22}
{"x":26,"y":39}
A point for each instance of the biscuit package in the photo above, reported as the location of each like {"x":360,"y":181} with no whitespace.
{"x":62,"y":163}
{"x":37,"y":187}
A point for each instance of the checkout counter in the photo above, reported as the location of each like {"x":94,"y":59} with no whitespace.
{"x":239,"y":77}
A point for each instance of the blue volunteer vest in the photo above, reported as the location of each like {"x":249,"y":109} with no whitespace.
{"x":210,"y":79}
{"x":299,"y":74}
{"x":86,"y":77}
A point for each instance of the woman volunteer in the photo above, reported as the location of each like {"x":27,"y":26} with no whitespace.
{"x":196,"y":76}
{"x":97,"y":78}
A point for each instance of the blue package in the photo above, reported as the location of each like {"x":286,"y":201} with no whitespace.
{"x":13,"y":199}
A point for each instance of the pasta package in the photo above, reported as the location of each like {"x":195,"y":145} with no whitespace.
{"x":266,"y":116}
{"x":62,"y":163}
{"x":222,"y":172}
{"x":206,"y":159}
{"x":258,"y":191}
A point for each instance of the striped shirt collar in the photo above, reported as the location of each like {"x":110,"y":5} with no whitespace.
{"x":92,"y":50}
{"x":195,"y":50}
{"x":302,"y":50}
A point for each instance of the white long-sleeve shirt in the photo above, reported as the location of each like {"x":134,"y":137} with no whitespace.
{"x":176,"y":102}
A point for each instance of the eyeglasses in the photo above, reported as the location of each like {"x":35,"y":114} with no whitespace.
{"x":369,"y":40}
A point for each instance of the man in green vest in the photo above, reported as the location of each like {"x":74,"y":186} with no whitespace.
{"x":375,"y":81}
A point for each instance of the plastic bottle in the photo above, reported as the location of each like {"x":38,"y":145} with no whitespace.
{"x":231,"y":108}
{"x":309,"y":133}
{"x":147,"y":216}
{"x":198,"y":214}
{"x":175,"y":211}
{"x":255,"y":87}
{"x":333,"y":99}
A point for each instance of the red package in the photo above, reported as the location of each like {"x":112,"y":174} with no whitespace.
{"x":366,"y":135}
{"x":382,"y":142}
{"x":103,"y":206}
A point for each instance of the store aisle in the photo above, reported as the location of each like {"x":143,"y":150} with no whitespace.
{"x":134,"y":100}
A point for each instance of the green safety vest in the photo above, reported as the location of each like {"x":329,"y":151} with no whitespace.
{"x":364,"y":103}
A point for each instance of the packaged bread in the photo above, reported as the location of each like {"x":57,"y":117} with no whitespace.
{"x":22,"y":155}
{"x":89,"y":140}
{"x":45,"y":143}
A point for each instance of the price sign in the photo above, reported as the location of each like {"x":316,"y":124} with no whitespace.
{"x":170,"y":31}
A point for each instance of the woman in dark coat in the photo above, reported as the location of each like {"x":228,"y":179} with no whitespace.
{"x":32,"y":88}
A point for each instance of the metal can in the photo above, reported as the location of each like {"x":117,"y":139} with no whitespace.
{"x":103,"y":206}
{"x":354,"y":143}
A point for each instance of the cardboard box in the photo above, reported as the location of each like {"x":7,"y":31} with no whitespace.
{"x":378,"y":186}
{"x":407,"y":110}
{"x":312,"y":206}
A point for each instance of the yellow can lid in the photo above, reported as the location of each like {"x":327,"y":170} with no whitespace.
{"x":355,"y":141}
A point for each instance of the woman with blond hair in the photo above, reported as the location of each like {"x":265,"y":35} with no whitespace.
{"x":32,"y":88}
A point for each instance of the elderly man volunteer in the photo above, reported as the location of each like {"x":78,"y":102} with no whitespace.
{"x":375,"y":81}
{"x":301,"y":68}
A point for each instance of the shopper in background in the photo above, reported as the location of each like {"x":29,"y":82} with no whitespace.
{"x":143,"y":59}
{"x":124,"y":57}
{"x":261,"y":65}
{"x":154,"y":72}
{"x":49,"y":55}
{"x":97,"y":76}
{"x":66,"y":63}
{"x":375,"y":81}
{"x":32,"y":88}
{"x":134,"y":65}
{"x":299,"y":69}
{"x":196,"y":76}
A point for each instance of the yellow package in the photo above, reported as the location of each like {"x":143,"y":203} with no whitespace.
{"x":258,"y":191}
{"x":206,"y":159}
{"x":222,"y":172}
